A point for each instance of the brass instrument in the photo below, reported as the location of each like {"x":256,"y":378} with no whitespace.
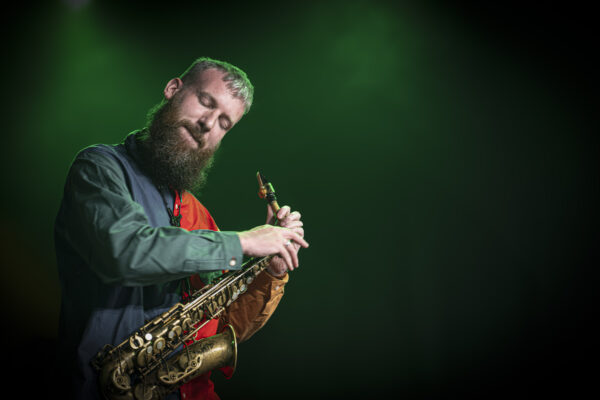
{"x":163,"y":354}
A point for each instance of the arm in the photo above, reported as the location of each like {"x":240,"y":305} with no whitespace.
{"x":111,"y":233}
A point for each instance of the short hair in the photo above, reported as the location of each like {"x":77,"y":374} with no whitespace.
{"x":237,"y":80}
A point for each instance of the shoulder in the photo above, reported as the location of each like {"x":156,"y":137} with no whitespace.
{"x":111,"y":156}
{"x":97,"y":162}
{"x":98,"y":152}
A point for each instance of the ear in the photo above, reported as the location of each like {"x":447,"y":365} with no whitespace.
{"x":172,"y":87}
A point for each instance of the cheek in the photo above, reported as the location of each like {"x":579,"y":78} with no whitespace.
{"x":216,"y":137}
{"x":186,"y":108}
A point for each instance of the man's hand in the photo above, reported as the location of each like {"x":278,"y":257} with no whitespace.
{"x":287,"y":219}
{"x":284,"y":241}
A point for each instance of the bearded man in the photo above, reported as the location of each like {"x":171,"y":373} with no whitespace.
{"x":131,"y":239}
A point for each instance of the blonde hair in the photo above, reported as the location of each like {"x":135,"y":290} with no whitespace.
{"x":237,"y":80}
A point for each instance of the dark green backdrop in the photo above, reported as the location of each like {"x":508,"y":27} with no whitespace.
{"x":442,"y":158}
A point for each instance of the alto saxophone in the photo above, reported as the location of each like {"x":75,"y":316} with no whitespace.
{"x":163,"y":354}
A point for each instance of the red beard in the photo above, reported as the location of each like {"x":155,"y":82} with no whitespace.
{"x":170,"y":159}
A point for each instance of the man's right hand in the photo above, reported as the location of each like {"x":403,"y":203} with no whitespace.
{"x":269,"y":240}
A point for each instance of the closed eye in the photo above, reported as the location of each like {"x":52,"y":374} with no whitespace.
{"x":225,"y":123}
{"x":209,"y":101}
{"x":206,"y":100}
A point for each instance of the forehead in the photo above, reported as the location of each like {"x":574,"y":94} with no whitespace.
{"x":211,"y":81}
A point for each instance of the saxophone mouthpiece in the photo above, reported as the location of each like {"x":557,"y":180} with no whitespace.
{"x":262,"y":190}
{"x":266,"y":191}
{"x":261,"y":179}
{"x":265,"y":187}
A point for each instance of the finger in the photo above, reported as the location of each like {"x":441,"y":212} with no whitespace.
{"x":291,"y":224}
{"x":297,"y":238}
{"x":283,"y":212}
{"x":285,"y":254}
{"x":270,"y":218}
{"x":295,"y":215}
{"x":293,"y":254}
{"x":299,"y":231}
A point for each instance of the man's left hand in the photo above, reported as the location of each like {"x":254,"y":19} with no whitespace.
{"x":287,"y":219}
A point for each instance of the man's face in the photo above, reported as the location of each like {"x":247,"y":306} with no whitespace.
{"x":207,"y":109}
{"x":185,"y":132}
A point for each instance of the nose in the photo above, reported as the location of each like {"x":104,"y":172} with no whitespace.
{"x":208,"y":120}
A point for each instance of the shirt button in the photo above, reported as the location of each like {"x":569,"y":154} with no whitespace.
{"x":232,"y":262}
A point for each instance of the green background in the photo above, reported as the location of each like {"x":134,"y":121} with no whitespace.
{"x":443,"y":158}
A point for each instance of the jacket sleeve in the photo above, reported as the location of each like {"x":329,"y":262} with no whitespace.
{"x":251,"y":311}
{"x":101,"y":222}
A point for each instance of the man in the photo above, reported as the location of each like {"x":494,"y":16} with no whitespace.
{"x":131,"y":239}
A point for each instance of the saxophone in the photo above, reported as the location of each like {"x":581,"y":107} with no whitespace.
{"x":163,"y":354}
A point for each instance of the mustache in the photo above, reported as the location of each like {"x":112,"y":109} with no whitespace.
{"x":194,"y":129}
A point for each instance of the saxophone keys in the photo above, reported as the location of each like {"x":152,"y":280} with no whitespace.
{"x":141,"y":358}
{"x":136,"y":341}
{"x":159,"y":345}
{"x":187,"y":324}
{"x":211,"y":308}
{"x":175,"y":332}
{"x":121,"y":381}
{"x":144,"y":356}
{"x":196,"y":314}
